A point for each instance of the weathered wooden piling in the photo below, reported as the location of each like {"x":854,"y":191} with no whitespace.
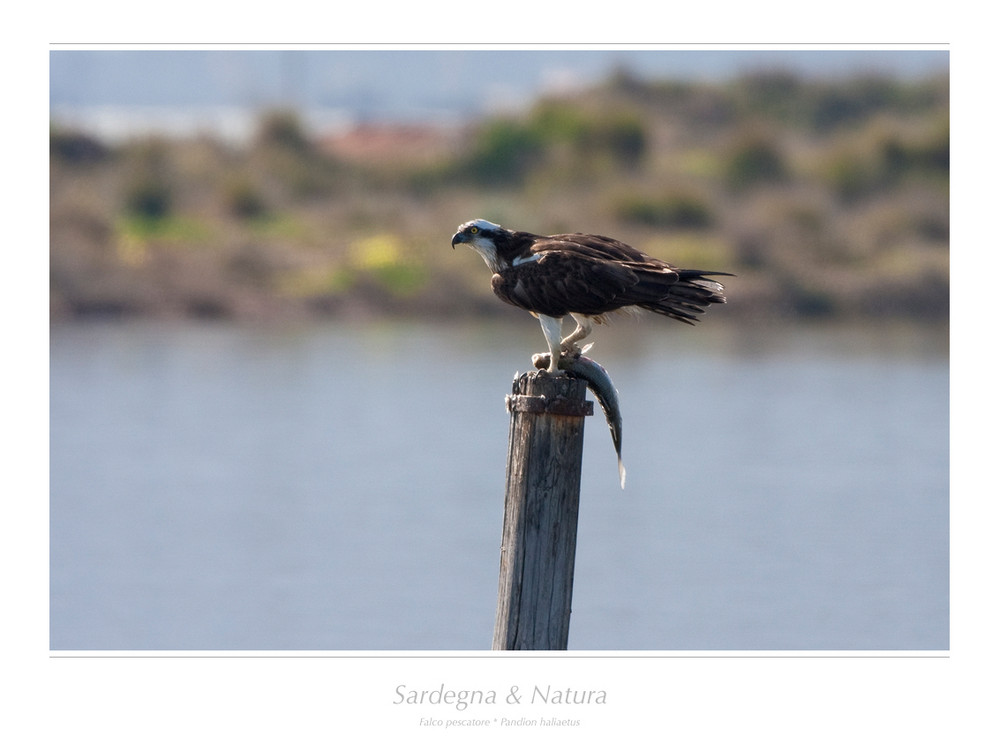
{"x":541,"y":508}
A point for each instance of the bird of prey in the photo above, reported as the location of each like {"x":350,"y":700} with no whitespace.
{"x":586,"y":277}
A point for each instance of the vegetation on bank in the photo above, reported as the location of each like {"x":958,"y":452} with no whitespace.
{"x":827,"y":198}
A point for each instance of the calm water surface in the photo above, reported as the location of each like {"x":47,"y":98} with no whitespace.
{"x":341,"y":487}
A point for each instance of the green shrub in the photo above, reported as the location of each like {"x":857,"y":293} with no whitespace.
{"x":754,"y":159}
{"x":243,"y":200}
{"x":148,"y":179}
{"x":622,"y":136}
{"x":775,"y":95}
{"x":673,"y":210}
{"x":74,"y":147}
{"x":149,"y":197}
{"x":504,"y":152}
{"x":556,"y":121}
{"x":928,"y":155}
{"x":880,"y":163}
{"x":851,"y":176}
{"x":850,"y":102}
{"x":384,"y":258}
{"x":283,"y":129}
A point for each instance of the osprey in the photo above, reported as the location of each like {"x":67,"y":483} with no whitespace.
{"x":586,"y":277}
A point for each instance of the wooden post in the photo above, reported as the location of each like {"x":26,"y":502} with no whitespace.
{"x":544,"y":460}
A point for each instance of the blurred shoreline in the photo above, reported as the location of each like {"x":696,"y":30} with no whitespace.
{"x":828,"y":199}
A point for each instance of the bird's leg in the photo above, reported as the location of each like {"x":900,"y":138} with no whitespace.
{"x":584,"y":326}
{"x":552,"y":329}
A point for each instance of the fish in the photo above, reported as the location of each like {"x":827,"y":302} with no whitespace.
{"x":599,"y":382}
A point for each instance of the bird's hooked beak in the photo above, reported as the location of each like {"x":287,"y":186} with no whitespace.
{"x":458,"y":237}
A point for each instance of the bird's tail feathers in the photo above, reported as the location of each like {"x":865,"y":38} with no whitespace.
{"x":688,"y":296}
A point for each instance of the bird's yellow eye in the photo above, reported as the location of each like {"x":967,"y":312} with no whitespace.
{"x":473,"y":230}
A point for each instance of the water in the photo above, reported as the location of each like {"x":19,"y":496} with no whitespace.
{"x":341,"y":487}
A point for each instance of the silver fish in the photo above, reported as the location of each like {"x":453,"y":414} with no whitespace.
{"x":599,"y":382}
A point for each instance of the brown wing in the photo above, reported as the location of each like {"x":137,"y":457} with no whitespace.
{"x":660,"y":287}
{"x":563,"y":281}
{"x":594,"y":274}
{"x":597,"y":247}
